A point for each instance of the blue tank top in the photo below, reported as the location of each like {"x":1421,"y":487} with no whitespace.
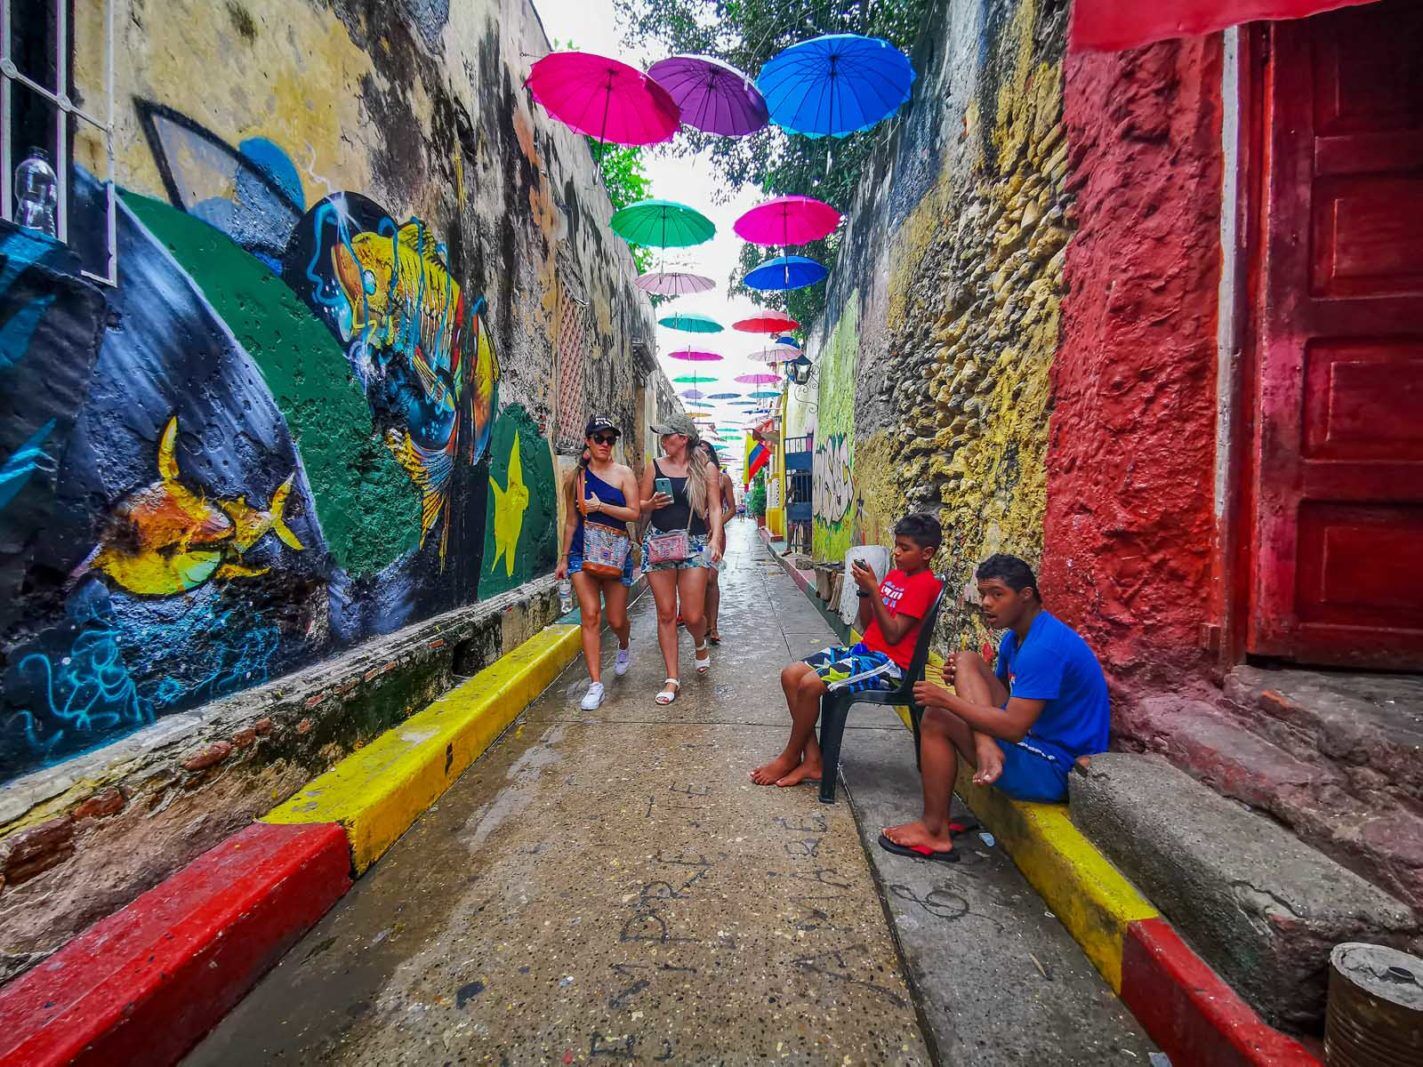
{"x":608,"y":494}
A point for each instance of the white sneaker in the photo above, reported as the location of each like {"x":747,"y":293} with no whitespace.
{"x":623,"y":662}
{"x":593,"y":698}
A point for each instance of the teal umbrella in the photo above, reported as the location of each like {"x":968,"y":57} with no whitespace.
{"x":662,"y":224}
{"x":762,"y":394}
{"x":691,"y":322}
{"x":693,"y":379}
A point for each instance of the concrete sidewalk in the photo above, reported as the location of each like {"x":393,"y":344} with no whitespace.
{"x":609,"y":885}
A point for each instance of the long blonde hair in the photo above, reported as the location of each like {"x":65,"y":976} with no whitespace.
{"x":698,"y":492}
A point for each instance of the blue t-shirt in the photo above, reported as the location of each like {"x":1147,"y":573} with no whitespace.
{"x":1054,"y":664}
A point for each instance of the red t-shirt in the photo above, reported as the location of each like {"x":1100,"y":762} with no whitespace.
{"x":907,"y":594}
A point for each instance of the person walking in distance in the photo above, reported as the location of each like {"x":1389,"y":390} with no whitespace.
{"x":728,"y":508}
{"x":601,"y":499}
{"x":681,"y":494}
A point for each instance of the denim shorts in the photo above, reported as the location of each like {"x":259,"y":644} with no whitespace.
{"x":697,"y":544}
{"x":575,"y":565}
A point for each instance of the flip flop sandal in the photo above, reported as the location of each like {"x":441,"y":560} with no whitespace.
{"x":714,"y":638}
{"x":958,"y":829}
{"x":918,"y":852}
{"x":670,"y":688}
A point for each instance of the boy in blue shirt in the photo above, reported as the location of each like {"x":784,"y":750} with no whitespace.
{"x":1021,"y":724}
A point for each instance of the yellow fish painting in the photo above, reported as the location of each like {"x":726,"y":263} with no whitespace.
{"x":165,"y":538}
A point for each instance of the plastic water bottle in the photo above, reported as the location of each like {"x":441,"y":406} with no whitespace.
{"x":37,"y":193}
{"x":565,"y":596}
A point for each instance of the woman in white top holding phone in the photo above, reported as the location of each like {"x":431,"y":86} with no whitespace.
{"x":681,"y":494}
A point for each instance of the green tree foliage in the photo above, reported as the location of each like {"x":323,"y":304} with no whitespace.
{"x":756,"y":498}
{"x":625,"y":178}
{"x":746,"y":33}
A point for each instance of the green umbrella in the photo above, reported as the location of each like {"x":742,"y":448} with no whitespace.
{"x":662,"y":224}
{"x":691,"y":322}
{"x":693,"y":379}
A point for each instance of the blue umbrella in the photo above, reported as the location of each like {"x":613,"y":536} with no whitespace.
{"x":787,"y":339}
{"x":723,"y":396}
{"x":834,"y":85}
{"x":785,"y":272}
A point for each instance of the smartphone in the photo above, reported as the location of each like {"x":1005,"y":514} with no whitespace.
{"x":663,"y":485}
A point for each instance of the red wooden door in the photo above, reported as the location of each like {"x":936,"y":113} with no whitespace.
{"x":1338,"y":575}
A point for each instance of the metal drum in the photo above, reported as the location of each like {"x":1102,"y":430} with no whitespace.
{"x":1375,"y":1016}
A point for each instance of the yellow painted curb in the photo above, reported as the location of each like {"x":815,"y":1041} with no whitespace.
{"x":377,"y":792}
{"x":1091,"y":897}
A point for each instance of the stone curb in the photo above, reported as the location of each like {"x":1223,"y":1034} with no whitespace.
{"x":146,"y":983}
{"x":1186,"y":1008}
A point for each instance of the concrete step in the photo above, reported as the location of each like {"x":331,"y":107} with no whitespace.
{"x":1377,"y":834}
{"x":1370,"y":726}
{"x":1254,"y":901}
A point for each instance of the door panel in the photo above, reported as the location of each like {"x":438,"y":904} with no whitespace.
{"x":1338,"y":529}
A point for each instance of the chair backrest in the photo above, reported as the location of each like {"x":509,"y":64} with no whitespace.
{"x":926,"y":633}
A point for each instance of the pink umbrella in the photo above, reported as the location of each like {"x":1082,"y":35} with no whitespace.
{"x":674,"y":283}
{"x":691,"y":355}
{"x":757,"y":379}
{"x":603,"y":98}
{"x":787,"y":220}
{"x":774,"y":354}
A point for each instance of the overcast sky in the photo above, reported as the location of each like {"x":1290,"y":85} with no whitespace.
{"x":593,"y":25}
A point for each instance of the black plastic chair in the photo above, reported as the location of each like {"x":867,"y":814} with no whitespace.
{"x":835,"y":705}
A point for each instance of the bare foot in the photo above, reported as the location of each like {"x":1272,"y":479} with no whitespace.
{"x":806,"y":772}
{"x":916,"y":834}
{"x":989,"y":760}
{"x":770,"y":773}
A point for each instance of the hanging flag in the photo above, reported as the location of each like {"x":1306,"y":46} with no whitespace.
{"x":757,"y":458}
{"x":1114,"y":26}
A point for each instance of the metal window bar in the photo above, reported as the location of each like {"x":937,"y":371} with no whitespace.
{"x":10,"y":76}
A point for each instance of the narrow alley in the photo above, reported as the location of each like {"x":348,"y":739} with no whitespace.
{"x":610,"y":885}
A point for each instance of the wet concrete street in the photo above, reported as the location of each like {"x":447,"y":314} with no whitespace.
{"x":609,"y":887}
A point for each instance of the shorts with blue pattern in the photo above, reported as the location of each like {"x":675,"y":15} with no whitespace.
{"x":855,"y":670}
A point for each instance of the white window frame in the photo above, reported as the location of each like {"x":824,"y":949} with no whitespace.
{"x":11,"y":78}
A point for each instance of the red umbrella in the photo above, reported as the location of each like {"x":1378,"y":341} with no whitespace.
{"x":787,"y":220}
{"x":767,"y":322}
{"x":603,"y":98}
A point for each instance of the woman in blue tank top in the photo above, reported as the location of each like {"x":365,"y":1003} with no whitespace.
{"x":609,"y":500}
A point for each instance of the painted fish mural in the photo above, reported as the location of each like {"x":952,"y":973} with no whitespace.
{"x":414,"y":340}
{"x":165,"y":538}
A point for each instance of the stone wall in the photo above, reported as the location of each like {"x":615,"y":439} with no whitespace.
{"x":946,"y":298}
{"x":296,"y":472}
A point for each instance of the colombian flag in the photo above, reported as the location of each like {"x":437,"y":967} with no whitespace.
{"x":757,"y":458}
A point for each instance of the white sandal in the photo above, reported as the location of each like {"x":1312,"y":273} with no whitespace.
{"x":669,"y":693}
{"x":703,"y":665}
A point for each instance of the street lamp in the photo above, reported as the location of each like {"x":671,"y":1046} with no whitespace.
{"x":798,"y":370}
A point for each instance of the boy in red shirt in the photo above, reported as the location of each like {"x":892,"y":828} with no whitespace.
{"x":890,"y":613}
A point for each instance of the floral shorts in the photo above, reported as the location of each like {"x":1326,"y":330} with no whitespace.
{"x":696,"y":543}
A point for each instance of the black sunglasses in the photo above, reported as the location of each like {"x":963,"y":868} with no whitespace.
{"x":605,"y":438}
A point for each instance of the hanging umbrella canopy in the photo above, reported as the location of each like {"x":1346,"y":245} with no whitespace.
{"x":693,"y":394}
{"x":690,"y":355}
{"x":758,"y":379}
{"x":603,"y":98}
{"x":775,"y":354}
{"x":690,"y":322}
{"x":766,"y":322}
{"x":693,"y":379}
{"x":713,"y":96}
{"x":763,"y":394}
{"x":662,"y":224}
{"x":787,"y":220}
{"x":723,"y":396}
{"x":834,"y":85}
{"x":788,"y":340}
{"x":785,"y":272}
{"x":674,"y":283}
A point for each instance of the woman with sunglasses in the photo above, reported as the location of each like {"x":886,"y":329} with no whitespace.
{"x":728,"y":508}
{"x":606,"y":488}
{"x":682,"y":496}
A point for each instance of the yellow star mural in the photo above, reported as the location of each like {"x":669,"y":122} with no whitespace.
{"x":510,"y":503}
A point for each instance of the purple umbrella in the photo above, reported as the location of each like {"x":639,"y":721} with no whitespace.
{"x":713,"y":97}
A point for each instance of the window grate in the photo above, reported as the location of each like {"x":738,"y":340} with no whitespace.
{"x":569,"y":356}
{"x":14,"y":81}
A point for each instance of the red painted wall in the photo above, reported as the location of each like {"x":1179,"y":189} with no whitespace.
{"x":1129,"y":533}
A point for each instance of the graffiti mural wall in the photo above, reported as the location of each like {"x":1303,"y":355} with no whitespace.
{"x":290,"y":427}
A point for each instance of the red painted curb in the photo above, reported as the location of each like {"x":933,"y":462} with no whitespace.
{"x":144,"y":984}
{"x":1191,"y":1012}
